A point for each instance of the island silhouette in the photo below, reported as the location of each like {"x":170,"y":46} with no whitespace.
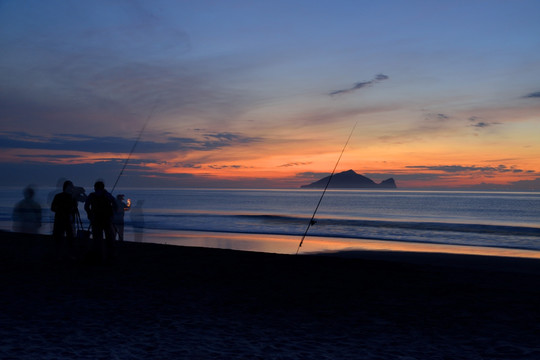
{"x":350,"y":180}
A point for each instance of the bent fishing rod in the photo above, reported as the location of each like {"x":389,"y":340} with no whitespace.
{"x":312,"y":220}
{"x":135,"y":144}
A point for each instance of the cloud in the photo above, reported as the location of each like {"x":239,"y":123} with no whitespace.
{"x":312,"y":175}
{"x":460,"y":168}
{"x":219,"y":140}
{"x":115,"y":144}
{"x":295,"y":164}
{"x":360,"y":85}
{"x":526,"y":185}
{"x":437,"y":116}
{"x":48,"y":173}
{"x":220,"y":167}
{"x":49,"y":156}
{"x":404,"y":177}
{"x":520,"y":185}
{"x":533,"y":95}
{"x":481,"y":124}
{"x":86,"y":143}
{"x":189,"y":166}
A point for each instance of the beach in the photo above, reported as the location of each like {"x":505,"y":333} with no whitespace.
{"x":156,"y":301}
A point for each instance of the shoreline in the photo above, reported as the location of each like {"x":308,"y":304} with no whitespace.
{"x":162,"y":301}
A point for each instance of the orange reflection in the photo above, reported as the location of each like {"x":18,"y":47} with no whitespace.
{"x":286,"y":244}
{"x":336,"y":244}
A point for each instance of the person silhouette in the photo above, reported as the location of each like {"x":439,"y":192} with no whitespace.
{"x":121,"y":208}
{"x":100,"y":207}
{"x":77,"y":192}
{"x":50,"y":196}
{"x":27,"y":213}
{"x":64,"y":206}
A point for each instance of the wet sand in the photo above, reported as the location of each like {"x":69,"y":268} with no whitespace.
{"x":157,"y":301}
{"x":288,"y":244}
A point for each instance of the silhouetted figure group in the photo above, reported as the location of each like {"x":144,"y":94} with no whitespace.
{"x":105,"y":213}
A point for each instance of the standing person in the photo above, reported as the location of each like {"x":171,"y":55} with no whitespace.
{"x":64,"y":207}
{"x":100,"y":207}
{"x":50,"y":196}
{"x":27,"y":213}
{"x":121,"y":208}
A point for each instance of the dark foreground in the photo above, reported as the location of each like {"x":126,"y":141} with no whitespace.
{"x":164,"y":302}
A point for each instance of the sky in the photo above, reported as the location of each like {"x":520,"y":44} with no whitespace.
{"x":264,"y":94}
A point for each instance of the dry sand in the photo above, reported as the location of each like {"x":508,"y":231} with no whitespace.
{"x":168,"y":302}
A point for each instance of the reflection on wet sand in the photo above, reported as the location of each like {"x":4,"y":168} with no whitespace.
{"x":284,"y":244}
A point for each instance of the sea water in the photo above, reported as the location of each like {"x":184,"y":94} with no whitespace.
{"x":481,"y":219}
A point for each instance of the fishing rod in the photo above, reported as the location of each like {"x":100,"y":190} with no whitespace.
{"x":135,"y":144}
{"x":312,"y":221}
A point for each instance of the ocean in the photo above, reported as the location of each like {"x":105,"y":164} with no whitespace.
{"x":275,"y":220}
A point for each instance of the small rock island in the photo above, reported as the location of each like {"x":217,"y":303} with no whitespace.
{"x":350,"y":180}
